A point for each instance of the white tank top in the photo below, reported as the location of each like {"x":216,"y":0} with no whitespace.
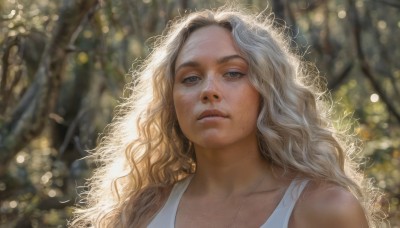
{"x":165,"y":218}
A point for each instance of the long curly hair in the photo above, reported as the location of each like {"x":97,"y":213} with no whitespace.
{"x":144,"y":152}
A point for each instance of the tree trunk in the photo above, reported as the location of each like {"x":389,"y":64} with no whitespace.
{"x":30,"y":115}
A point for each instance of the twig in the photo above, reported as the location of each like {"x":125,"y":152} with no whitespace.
{"x":70,"y":132}
{"x":4,"y":74}
{"x":365,"y":68}
{"x":29,"y":116}
{"x":342,"y":76}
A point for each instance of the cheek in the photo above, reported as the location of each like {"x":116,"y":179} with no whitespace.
{"x":252,"y":109}
{"x":182,"y":106}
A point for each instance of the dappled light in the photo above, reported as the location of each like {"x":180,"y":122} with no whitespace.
{"x":62,"y":76}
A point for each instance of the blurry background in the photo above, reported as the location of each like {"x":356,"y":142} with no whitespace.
{"x":64,"y":64}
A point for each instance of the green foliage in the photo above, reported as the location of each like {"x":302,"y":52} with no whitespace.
{"x":40,"y":184}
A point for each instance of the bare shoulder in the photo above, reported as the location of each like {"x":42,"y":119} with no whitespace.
{"x":328,"y":205}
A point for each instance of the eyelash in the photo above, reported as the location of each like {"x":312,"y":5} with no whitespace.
{"x":190,"y":79}
{"x":230,"y":75}
{"x":234,"y":74}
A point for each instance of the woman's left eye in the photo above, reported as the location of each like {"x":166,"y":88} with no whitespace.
{"x":233,"y":74}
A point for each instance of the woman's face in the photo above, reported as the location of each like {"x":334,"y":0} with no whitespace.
{"x":215,"y":103}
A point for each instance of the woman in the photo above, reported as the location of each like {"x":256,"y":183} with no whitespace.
{"x":228,"y":133}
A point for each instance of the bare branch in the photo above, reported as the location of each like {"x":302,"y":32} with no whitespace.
{"x":71,"y":129}
{"x":31,"y":113}
{"x":11,"y":42}
{"x":385,"y":62}
{"x":365,"y":67}
{"x":332,"y":85}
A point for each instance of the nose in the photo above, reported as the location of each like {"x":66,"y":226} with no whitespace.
{"x":210,"y":91}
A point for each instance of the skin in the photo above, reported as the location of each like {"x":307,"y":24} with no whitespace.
{"x":233,"y":185}
{"x":211,"y":76}
{"x":327,"y":205}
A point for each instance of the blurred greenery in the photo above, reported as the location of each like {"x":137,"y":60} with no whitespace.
{"x":355,"y":44}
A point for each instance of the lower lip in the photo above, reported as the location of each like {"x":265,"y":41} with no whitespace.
{"x":212,"y":118}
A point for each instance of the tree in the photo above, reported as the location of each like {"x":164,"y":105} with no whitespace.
{"x":64,"y":65}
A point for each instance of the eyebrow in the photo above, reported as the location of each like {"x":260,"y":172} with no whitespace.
{"x":230,"y":57}
{"x":219,"y":61}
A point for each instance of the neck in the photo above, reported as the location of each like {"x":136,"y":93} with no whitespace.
{"x":230,"y":171}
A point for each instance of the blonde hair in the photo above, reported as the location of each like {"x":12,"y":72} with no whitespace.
{"x":145,"y":153}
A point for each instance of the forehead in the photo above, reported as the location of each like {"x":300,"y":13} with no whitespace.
{"x":211,"y":42}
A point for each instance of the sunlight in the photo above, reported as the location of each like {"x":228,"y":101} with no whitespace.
{"x":20,"y":159}
{"x":374,"y":98}
{"x":342,"y":14}
{"x":13,"y":204}
{"x":52,"y":193}
{"x":382,"y":25}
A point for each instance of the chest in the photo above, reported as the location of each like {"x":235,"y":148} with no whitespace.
{"x":250,"y":211}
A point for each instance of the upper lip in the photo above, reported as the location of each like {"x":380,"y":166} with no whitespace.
{"x":212,"y":113}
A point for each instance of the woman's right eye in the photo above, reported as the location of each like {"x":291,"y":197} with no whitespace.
{"x":191,"y":80}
